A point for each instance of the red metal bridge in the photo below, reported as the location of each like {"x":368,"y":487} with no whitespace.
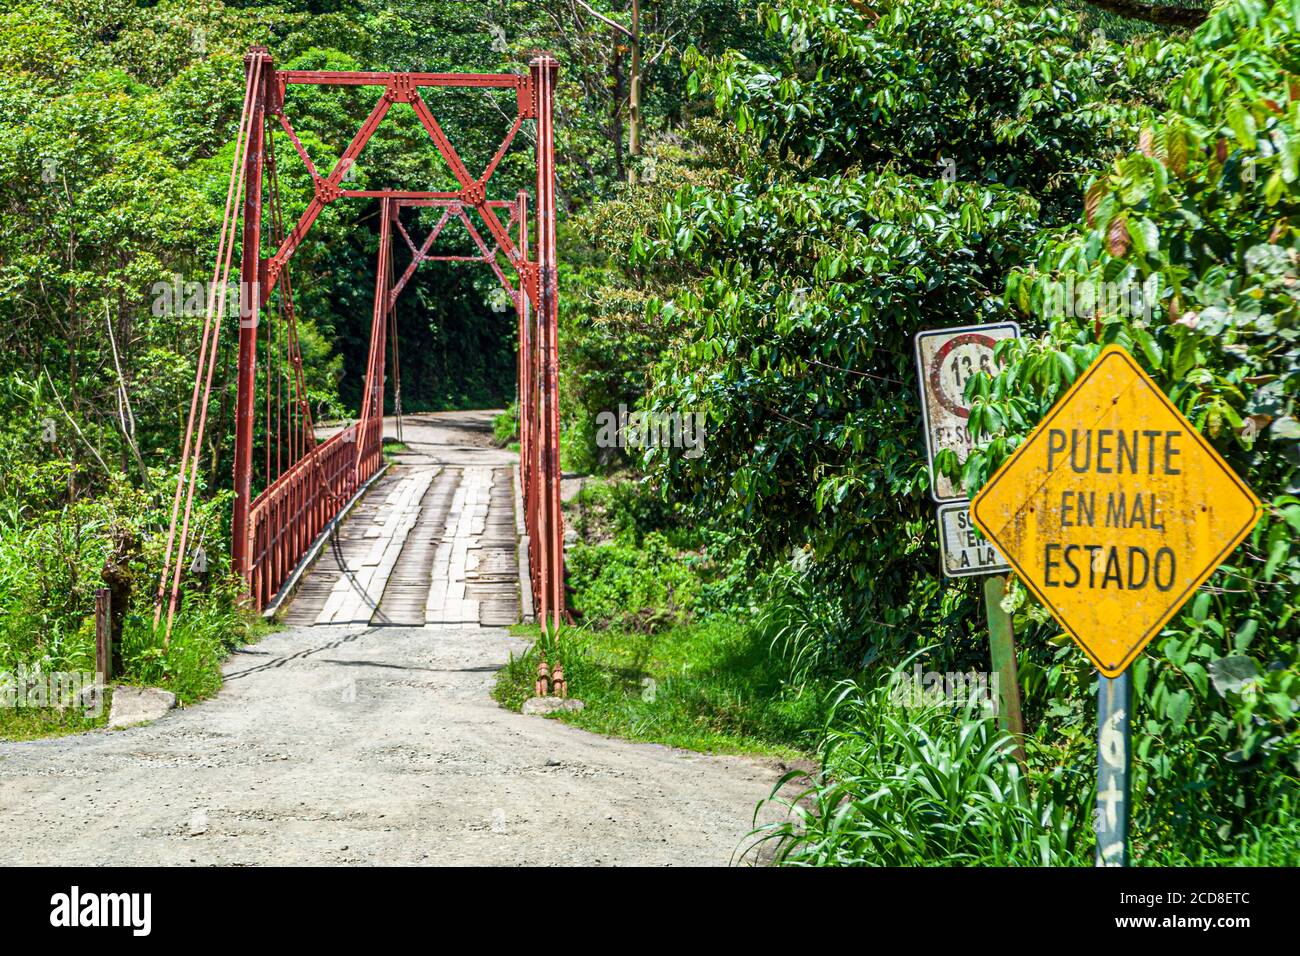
{"x":288,"y":485}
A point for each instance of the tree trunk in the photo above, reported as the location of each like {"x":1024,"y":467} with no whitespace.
{"x":616,"y":109}
{"x":118,"y":577}
{"x":634,"y":98}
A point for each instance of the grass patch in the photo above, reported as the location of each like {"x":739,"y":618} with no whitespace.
{"x":505,"y":427}
{"x":921,"y":786}
{"x":190,"y":666}
{"x":34,"y":723}
{"x":392,"y":447}
{"x":646,"y":589}
{"x":652,"y":661}
{"x":709,"y":686}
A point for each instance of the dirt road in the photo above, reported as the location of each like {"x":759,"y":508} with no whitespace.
{"x":357,"y":744}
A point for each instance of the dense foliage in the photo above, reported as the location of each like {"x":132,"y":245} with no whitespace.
{"x":818,"y":180}
{"x":843,"y":238}
{"x":791,"y":295}
{"x":922,"y":786}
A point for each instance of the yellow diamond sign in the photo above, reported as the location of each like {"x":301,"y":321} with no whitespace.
{"x":1115,"y":510}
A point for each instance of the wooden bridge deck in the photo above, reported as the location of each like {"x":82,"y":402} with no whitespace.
{"x":433,"y":541}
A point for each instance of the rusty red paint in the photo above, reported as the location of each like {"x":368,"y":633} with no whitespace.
{"x":273,"y":531}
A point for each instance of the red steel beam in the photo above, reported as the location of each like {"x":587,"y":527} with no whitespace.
{"x":396,"y":194}
{"x":421,"y":253}
{"x":524,"y":402}
{"x":325,"y":190}
{"x":372,"y":406}
{"x":544,"y":70}
{"x":347,"y":78}
{"x":444,"y":201}
{"x":536,"y":304}
{"x":250,"y":307}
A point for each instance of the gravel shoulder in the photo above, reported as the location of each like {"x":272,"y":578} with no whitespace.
{"x":346,"y":745}
{"x":369,"y":746}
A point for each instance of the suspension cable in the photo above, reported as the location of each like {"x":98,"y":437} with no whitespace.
{"x":192,"y":445}
{"x":303,"y":438}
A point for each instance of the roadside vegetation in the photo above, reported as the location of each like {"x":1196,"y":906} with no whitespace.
{"x":668,"y":650}
{"x":817,"y":181}
{"x":790,"y":246}
{"x":54,"y":555}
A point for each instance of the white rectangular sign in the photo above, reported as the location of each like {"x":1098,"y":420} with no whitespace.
{"x":945,"y":361}
{"x":964,"y":551}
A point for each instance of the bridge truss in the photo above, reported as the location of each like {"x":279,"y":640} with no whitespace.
{"x":307,"y":483}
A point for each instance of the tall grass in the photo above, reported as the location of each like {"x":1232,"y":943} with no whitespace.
{"x":708,"y":685}
{"x":923,"y":786}
{"x":807,"y":628}
{"x":190,"y":665}
{"x":505,"y":426}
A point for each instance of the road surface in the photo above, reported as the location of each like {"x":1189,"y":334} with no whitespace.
{"x":373,"y":743}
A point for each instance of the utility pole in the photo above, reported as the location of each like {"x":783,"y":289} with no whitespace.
{"x":634,"y":96}
{"x":634,"y":100}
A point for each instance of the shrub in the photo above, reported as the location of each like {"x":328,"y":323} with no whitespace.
{"x":804,"y":277}
{"x":505,"y":427}
{"x":646,"y":588}
{"x":920,"y":787}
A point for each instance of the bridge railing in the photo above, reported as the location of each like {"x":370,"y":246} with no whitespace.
{"x":286,"y":519}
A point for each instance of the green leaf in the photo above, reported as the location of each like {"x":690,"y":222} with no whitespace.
{"x":1245,"y":634}
{"x":1243,"y":126}
{"x":1230,"y":674}
{"x":1279,"y":546}
{"x":1177,"y":708}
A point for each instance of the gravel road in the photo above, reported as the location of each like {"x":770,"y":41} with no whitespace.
{"x":344,"y":745}
{"x":368,"y":746}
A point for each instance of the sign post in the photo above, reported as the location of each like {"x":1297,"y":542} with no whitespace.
{"x":1113,"y":512}
{"x":1002,"y":654}
{"x":1114,"y":740}
{"x":945,"y":361}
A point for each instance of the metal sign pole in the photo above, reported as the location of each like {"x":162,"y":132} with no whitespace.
{"x":1114,"y":739}
{"x":1002,"y":654}
{"x":945,"y":361}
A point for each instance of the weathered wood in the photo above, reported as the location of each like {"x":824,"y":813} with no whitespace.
{"x":427,"y":545}
{"x":104,"y":633}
